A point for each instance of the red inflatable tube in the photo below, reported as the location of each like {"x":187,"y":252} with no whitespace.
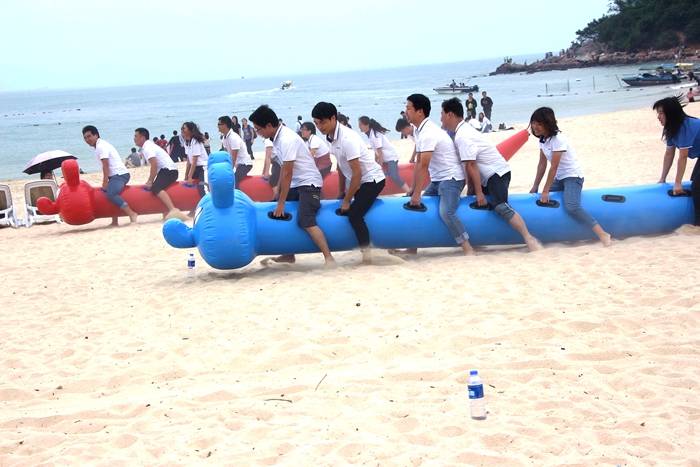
{"x":80,"y":203}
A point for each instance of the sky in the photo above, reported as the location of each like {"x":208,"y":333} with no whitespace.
{"x":76,"y":43}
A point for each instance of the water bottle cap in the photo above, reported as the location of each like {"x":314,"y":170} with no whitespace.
{"x":473,"y":372}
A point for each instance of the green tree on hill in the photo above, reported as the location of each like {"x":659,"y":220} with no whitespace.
{"x":633,"y":25}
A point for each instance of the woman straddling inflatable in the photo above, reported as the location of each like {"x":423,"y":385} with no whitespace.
{"x":384,"y":151}
{"x":237,"y":149}
{"x":682,"y":132}
{"x":564,"y":173}
{"x":486,"y":168}
{"x":360,"y":177}
{"x":196,"y":156}
{"x":318,"y":148}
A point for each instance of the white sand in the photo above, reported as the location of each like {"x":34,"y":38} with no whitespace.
{"x":590,"y":356}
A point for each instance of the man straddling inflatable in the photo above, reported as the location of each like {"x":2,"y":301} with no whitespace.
{"x":115,"y":176}
{"x":485,"y":166}
{"x":300,"y":180}
{"x":437,"y":155}
{"x":361,"y":179}
{"x":163,"y":172}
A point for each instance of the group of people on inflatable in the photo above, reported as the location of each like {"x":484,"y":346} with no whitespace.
{"x":449,"y":155}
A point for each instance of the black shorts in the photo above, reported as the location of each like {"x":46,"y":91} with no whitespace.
{"x":497,"y":188}
{"x":164,"y":179}
{"x":309,"y":198}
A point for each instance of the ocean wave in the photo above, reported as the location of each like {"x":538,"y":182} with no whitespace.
{"x":252,"y":93}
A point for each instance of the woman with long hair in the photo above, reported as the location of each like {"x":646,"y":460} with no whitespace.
{"x":196,"y":155}
{"x":318,"y":148}
{"x":682,"y":132}
{"x":385,"y":152}
{"x":565,"y":173}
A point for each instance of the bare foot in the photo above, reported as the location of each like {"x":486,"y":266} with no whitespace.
{"x":330,"y":263}
{"x":605,"y":239}
{"x":401,"y":253}
{"x":533,"y":244}
{"x":282,"y":259}
{"x":191,"y":214}
{"x":175,"y":214}
{"x":133,"y":218}
{"x":366,"y":257}
{"x":467,"y":249}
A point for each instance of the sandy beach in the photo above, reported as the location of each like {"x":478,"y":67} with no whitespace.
{"x":589,"y":355}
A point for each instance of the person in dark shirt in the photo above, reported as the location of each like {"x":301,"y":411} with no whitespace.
{"x":487,"y":104}
{"x":177,"y":150}
{"x":470,"y":105}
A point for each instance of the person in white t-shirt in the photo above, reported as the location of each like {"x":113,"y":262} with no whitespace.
{"x":361,"y":178}
{"x":485,"y":166}
{"x":318,"y":147}
{"x":437,"y":157}
{"x":384,"y":151}
{"x":565,"y":173}
{"x":298,"y":124}
{"x":236,"y":147}
{"x":196,"y":156}
{"x":163,"y":171}
{"x":486,"y":126}
{"x":407,"y":131}
{"x":300,"y":180}
{"x":115,"y":176}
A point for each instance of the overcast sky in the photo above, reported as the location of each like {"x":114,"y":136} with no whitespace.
{"x":76,"y":43}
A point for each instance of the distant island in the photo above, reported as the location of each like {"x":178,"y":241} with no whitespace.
{"x":633,"y":31}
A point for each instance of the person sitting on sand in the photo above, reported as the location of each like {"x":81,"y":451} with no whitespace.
{"x":565,"y":173}
{"x":485,"y":166}
{"x":236,"y":147}
{"x":682,"y":132}
{"x":133,"y":159}
{"x":114,"y":173}
{"x":360,"y":178}
{"x":486,"y":126}
{"x":385,"y":152}
{"x":163,"y":171}
{"x":300,"y":180}
{"x":318,"y":147}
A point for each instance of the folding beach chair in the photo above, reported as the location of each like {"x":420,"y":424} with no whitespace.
{"x":32,"y":192}
{"x":8,"y":215}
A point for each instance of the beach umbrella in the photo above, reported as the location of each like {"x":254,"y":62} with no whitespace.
{"x":47,"y":161}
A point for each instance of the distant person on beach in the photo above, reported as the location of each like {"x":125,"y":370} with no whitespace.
{"x":271,"y":168}
{"x":403,"y":116}
{"x":406,"y":129}
{"x":234,"y":145}
{"x":47,"y":175}
{"x":300,"y":180}
{"x":690,"y":95}
{"x":565,"y":173}
{"x":682,"y":132}
{"x":486,"y":126}
{"x":236,"y":126}
{"x":437,"y":159}
{"x":360,"y":178}
{"x":163,"y":171}
{"x":207,"y":143}
{"x":471,"y":105}
{"x":344,"y":120}
{"x":485,"y":167}
{"x":318,"y":147}
{"x":298,"y":125}
{"x":114,"y":173}
{"x":162,"y":142}
{"x":196,"y":156}
{"x":385,"y":152}
{"x":177,"y":148}
{"x":248,"y":135}
{"x":486,"y":104}
{"x":133,"y":159}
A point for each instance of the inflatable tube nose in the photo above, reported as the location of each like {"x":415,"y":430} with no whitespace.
{"x":178,"y":234}
{"x":221,"y":180}
{"x":71,"y":172}
{"x":46,"y":206}
{"x":511,"y":145}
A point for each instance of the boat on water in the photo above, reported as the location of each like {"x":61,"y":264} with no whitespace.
{"x":651,"y":79}
{"x":285,"y":85}
{"x":455,"y":88}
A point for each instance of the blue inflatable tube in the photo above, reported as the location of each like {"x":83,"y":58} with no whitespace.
{"x":230,"y":230}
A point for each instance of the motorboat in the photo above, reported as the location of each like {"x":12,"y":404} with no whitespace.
{"x":651,"y":79}
{"x":286,"y":85}
{"x":456,"y":88}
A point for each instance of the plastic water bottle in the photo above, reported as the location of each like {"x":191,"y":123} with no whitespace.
{"x":476,"y":396}
{"x":190,"y":266}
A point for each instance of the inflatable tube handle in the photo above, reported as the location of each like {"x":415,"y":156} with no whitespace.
{"x":613,"y":198}
{"x":340,"y":212}
{"x":550,"y":204}
{"x":420,"y":208}
{"x":285,"y":217}
{"x":486,"y":207}
{"x":684,"y":194}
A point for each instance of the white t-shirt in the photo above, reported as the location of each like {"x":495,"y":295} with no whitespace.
{"x":486,"y":125}
{"x":319,"y":144}
{"x":104,"y":150}
{"x":288,"y":146}
{"x":195,"y":148}
{"x":233,"y":142}
{"x":475,"y":123}
{"x":472,"y":146}
{"x":348,"y":145}
{"x":380,"y":141}
{"x":152,"y":151}
{"x":568,"y":165}
{"x":445,"y":163}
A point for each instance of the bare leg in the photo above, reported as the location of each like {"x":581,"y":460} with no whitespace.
{"x":115,"y":221}
{"x":366,"y":255}
{"x":518,"y":224}
{"x":130,"y":212}
{"x":173,"y":212}
{"x":604,"y":237}
{"x":319,"y":239}
{"x":467,"y":248}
